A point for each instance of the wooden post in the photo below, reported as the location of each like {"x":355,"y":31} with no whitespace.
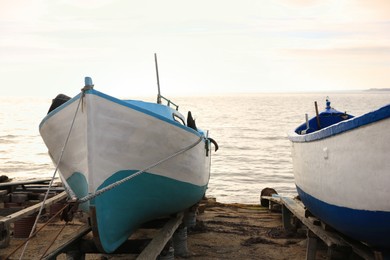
{"x":311,"y":248}
{"x":286,"y":217}
{"x":317,"y":116}
{"x":378,"y":255}
{"x":180,"y":241}
{"x":4,"y":235}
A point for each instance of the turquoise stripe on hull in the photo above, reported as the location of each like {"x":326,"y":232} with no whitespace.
{"x":121,"y":210}
{"x":79,"y":185}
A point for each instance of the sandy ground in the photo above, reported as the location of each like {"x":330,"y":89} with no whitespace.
{"x":222,"y":231}
{"x":239,"y":231}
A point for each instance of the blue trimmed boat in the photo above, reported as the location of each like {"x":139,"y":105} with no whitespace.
{"x":127,"y":161}
{"x":342,"y":172}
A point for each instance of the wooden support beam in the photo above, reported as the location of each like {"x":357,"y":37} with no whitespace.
{"x":67,"y":243}
{"x":17,"y":183}
{"x":161,"y":239}
{"x":311,"y":249}
{"x":332,"y":239}
{"x":30,"y":210}
{"x":275,"y":199}
{"x":286,"y":217}
{"x":329,"y":238}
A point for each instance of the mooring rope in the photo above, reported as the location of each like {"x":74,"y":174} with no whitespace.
{"x":35,"y":232}
{"x":53,"y":240}
{"x":69,"y":190}
{"x":115,"y":184}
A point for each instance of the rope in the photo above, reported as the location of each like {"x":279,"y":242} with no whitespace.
{"x":90,"y":196}
{"x":69,"y":190}
{"x":53,"y":240}
{"x":115,"y":184}
{"x":36,"y":232}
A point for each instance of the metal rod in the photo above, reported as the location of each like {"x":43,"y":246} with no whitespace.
{"x":307,"y":121}
{"x":317,"y":116}
{"x":158,"y":80}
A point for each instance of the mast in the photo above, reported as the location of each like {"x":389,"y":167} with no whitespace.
{"x":158,"y":80}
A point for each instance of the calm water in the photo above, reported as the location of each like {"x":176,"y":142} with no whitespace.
{"x":251,"y":131}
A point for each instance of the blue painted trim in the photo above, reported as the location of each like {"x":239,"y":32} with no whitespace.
{"x":372,"y":227}
{"x":128,"y":104}
{"x":143,"y":110}
{"x":344,"y":126}
{"x":58,"y":109}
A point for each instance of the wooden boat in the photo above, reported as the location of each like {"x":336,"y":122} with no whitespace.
{"x":131,"y":161}
{"x":342,"y":172}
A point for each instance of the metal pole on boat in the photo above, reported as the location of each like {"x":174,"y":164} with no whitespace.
{"x":307,"y":121}
{"x":317,"y":116}
{"x":158,"y":80}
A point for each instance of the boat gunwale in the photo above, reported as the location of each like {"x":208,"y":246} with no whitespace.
{"x":119,"y":102}
{"x":343,"y":126}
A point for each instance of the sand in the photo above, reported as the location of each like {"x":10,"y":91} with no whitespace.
{"x":222,"y":231}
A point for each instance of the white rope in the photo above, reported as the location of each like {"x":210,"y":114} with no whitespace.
{"x":115,"y":184}
{"x":71,"y":193}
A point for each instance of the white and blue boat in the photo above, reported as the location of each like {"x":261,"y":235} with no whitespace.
{"x":126,"y":161}
{"x":342,"y":172}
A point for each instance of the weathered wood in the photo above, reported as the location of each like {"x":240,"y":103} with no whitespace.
{"x":68,"y":242}
{"x":311,"y":249}
{"x":161,"y":239}
{"x":297,"y":208}
{"x":274,"y":202}
{"x":5,"y":235}
{"x":30,"y":210}
{"x":275,"y":199}
{"x":17,"y":183}
{"x":286,"y":218}
{"x":361,"y":249}
{"x":331,"y":239}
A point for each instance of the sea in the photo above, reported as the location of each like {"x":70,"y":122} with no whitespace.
{"x":250,"y":129}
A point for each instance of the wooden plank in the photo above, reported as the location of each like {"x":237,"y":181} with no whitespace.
{"x":275,"y":199}
{"x":68,"y":242}
{"x":329,"y":238}
{"x":155,"y":246}
{"x":361,"y":249}
{"x":30,"y":210}
{"x":17,"y":183}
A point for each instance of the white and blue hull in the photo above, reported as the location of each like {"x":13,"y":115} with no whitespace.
{"x":112,"y":139}
{"x":342,"y":174}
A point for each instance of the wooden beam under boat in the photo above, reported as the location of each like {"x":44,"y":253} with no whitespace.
{"x":293,"y":207}
{"x":30,"y":210}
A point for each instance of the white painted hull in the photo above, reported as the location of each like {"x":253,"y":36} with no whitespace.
{"x":338,"y":169}
{"x":344,"y":178}
{"x":111,"y":140}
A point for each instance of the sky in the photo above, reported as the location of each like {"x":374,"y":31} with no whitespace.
{"x":203,"y":47}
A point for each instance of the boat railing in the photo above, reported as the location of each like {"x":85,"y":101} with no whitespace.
{"x":169,"y":102}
